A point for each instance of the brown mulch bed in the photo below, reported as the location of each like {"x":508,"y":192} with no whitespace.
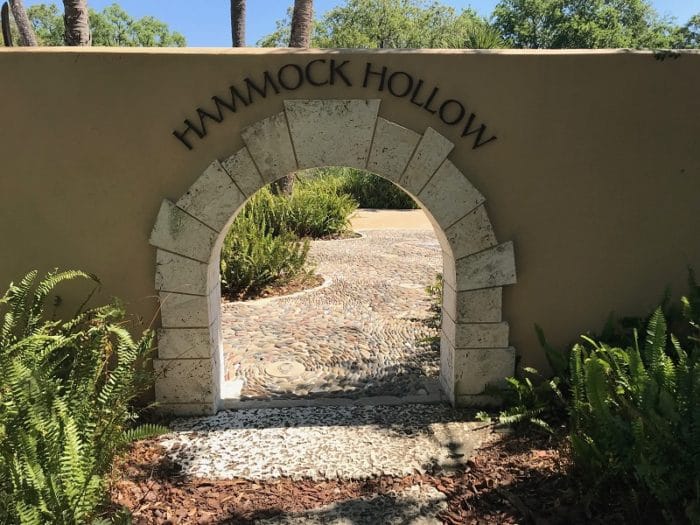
{"x":304,"y":281}
{"x":515,"y":479}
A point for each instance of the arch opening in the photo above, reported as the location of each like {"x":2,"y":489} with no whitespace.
{"x":188,"y":235}
{"x":368,"y":334}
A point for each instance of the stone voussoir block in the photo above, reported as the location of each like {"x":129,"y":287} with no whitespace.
{"x":243,"y":171}
{"x":475,"y":335}
{"x":481,"y":335}
{"x":478,"y":306}
{"x":392,"y":148}
{"x":449,"y":195}
{"x":270,"y":147}
{"x":471,"y":234}
{"x":213,"y":198}
{"x":489,"y":268}
{"x":184,"y":311}
{"x":447,"y":368}
{"x":449,"y":270}
{"x":178,"y":232}
{"x":332,"y":132}
{"x":449,"y":300}
{"x":475,"y":368}
{"x":185,"y":343}
{"x":431,"y":152}
{"x":184,"y":380}
{"x":175,"y":273}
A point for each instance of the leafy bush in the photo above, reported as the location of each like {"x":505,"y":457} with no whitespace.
{"x":367,"y":189}
{"x":258,"y":251}
{"x":65,"y":403}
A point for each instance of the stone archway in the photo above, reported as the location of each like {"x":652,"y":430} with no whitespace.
{"x":474,"y":348}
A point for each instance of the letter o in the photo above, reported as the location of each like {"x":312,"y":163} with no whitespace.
{"x":299,"y":79}
{"x":409,"y":84}
{"x":444,"y":109}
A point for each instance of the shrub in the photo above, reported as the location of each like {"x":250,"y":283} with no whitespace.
{"x":367,"y":189}
{"x":255,"y":253}
{"x":318,"y":208}
{"x":65,"y":398}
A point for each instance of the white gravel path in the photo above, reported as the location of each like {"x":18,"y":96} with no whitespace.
{"x":353,"y":442}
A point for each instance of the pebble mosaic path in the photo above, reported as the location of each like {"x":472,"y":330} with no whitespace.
{"x":363,"y":333}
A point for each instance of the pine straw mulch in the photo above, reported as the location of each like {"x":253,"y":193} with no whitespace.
{"x":515,"y":479}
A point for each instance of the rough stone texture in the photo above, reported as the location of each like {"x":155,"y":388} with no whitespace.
{"x":416,"y":505}
{"x":185,"y":381}
{"x":472,"y":233}
{"x":477,"y":367}
{"x":475,"y":335}
{"x":363,"y":334}
{"x":270,"y":147}
{"x":320,"y":127}
{"x":391,"y":150}
{"x":213,"y":198}
{"x":447,"y":367}
{"x":475,"y":306}
{"x":186,"y":311}
{"x":449,"y":270}
{"x":175,"y":273}
{"x":184,"y":343}
{"x":358,"y":442}
{"x":487,"y":269}
{"x":180,"y":233}
{"x":449,"y":195}
{"x":430,"y":153}
{"x":243,"y":172}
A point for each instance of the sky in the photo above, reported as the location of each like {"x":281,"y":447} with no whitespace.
{"x":207,"y":23}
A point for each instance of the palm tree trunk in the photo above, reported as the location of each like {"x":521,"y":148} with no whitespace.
{"x":24,"y":25}
{"x":238,"y":22}
{"x":302,"y":21}
{"x":77,"y":22}
{"x":5,"y":21}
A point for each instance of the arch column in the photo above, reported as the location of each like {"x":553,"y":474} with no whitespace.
{"x":188,"y":234}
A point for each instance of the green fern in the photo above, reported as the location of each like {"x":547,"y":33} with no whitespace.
{"x":635,"y":416}
{"x":65,"y":403}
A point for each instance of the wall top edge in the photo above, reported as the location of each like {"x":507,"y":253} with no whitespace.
{"x":296,"y":51}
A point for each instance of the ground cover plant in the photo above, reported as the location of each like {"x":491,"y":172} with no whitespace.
{"x":632,"y":399}
{"x":65,"y":403}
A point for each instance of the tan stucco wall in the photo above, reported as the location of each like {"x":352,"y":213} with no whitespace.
{"x":595,"y":174}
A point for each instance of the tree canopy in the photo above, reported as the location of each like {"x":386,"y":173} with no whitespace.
{"x":110,"y":27}
{"x":394,"y":24}
{"x":514,"y":23}
{"x":584,"y":24}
